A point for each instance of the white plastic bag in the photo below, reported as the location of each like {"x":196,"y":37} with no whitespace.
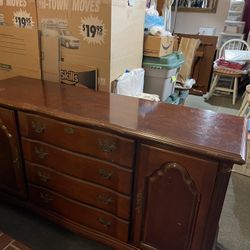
{"x":131,"y":83}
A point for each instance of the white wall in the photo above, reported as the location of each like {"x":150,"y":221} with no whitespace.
{"x":190,"y":22}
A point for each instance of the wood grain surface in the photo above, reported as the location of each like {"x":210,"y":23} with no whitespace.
{"x":217,"y":135}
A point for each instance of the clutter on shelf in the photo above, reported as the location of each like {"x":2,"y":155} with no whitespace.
{"x":161,"y":62}
{"x":158,"y":41}
{"x":234,"y":26}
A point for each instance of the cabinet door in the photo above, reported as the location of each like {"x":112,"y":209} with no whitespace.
{"x":173,"y":195}
{"x":11,"y":171}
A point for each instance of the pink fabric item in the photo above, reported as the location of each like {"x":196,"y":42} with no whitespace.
{"x":228,"y":64}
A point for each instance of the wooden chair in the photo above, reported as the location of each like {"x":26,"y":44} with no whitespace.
{"x":233,"y":44}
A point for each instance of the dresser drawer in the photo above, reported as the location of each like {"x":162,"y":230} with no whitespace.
{"x":92,"y":142}
{"x":82,"y":191}
{"x":79,"y":166}
{"x":80,"y":213}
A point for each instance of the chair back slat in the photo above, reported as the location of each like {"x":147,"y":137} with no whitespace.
{"x":233,"y":44}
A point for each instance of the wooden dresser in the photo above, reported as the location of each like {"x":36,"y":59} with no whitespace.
{"x":130,"y":173}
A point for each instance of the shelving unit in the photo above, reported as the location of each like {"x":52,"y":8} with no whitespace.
{"x":234,"y":26}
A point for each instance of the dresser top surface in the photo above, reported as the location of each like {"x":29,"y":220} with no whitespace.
{"x":219,"y":135}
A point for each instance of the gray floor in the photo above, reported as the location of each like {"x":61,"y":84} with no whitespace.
{"x":40,"y":234}
{"x":220,"y":104}
{"x":234,"y":233}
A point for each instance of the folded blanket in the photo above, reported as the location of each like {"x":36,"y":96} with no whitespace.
{"x":230,"y":67}
{"x":230,"y":64}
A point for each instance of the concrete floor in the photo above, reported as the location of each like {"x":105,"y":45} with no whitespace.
{"x":40,"y":234}
{"x":219,"y":104}
{"x":234,"y":233}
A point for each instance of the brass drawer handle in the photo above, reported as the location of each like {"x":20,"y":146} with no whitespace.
{"x":69,"y":130}
{"x":41,"y":153}
{"x":46,"y":198}
{"x":105,"y":199}
{"x":38,"y":127}
{"x":105,"y":174}
{"x":104,"y":222}
{"x":107,"y":146}
{"x":43,"y":176}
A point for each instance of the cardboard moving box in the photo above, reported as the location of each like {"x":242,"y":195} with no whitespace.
{"x":18,"y":56}
{"x":19,"y":39}
{"x":78,"y":75}
{"x":19,"y":14}
{"x":104,"y":35}
{"x":158,"y":46}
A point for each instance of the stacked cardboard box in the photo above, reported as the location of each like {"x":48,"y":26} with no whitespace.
{"x":19,"y":50}
{"x":89,"y":38}
{"x":89,"y":42}
{"x":158,"y":46}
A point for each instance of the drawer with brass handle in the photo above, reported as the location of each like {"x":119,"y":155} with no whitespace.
{"x":86,"y":192}
{"x":104,"y":222}
{"x":46,"y":197}
{"x":37,"y":126}
{"x":107,"y":146}
{"x":106,"y":200}
{"x":40,"y":152}
{"x":79,"y":166}
{"x":79,"y":139}
{"x":80,"y":213}
{"x":44,"y":177}
{"x":106,"y":174}
{"x":69,"y":130}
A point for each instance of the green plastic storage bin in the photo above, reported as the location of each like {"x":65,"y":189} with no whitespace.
{"x":160,"y":74}
{"x":171,"y":61}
